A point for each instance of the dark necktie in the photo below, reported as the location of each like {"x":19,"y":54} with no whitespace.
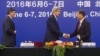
{"x":78,"y":26}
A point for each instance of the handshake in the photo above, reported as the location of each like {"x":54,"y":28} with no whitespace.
{"x":66,"y":35}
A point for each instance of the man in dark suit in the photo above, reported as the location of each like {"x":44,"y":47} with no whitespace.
{"x":83,"y":30}
{"x":53,"y":31}
{"x":9,"y":31}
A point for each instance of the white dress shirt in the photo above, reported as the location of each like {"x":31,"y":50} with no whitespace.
{"x":81,"y":21}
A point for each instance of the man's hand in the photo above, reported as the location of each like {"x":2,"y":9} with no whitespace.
{"x":66,"y":35}
{"x":78,"y":36}
{"x":14,"y":31}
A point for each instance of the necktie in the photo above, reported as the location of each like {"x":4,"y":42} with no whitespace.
{"x":78,"y":26}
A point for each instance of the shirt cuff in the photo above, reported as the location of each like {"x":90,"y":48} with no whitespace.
{"x":64,"y":34}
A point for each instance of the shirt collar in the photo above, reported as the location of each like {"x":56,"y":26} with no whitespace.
{"x":82,"y":20}
{"x":55,"y":16}
{"x":10,"y":16}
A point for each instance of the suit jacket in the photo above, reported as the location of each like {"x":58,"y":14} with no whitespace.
{"x":52,"y":31}
{"x":84,"y":31}
{"x":8,"y":33}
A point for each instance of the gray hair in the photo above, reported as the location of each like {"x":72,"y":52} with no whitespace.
{"x":55,"y":8}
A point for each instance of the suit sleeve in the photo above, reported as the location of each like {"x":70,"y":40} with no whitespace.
{"x":87,"y":31}
{"x":8,"y":28}
{"x":54,"y":29}
{"x":74,"y":33}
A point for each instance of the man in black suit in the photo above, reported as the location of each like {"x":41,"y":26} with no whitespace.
{"x":83,"y":30}
{"x":53,"y":31}
{"x":9,"y":31}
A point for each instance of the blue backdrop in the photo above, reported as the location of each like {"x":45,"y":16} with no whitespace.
{"x":31,"y":17}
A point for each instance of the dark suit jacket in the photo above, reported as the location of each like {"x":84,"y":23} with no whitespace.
{"x":8,"y":33}
{"x":52,"y":31}
{"x":84,"y":31}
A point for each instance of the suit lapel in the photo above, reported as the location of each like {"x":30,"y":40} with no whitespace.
{"x":11,"y":22}
{"x":82,"y":25}
{"x":56,"y":22}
